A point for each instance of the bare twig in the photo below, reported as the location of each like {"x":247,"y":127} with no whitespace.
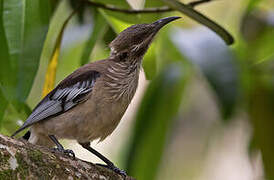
{"x":146,"y":10}
{"x":128,"y":11}
{"x":198,"y":2}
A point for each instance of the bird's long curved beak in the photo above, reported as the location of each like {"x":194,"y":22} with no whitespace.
{"x":162,"y":22}
{"x":154,"y":28}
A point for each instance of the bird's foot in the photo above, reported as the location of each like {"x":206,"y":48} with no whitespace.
{"x":115,"y":169}
{"x":67,"y":152}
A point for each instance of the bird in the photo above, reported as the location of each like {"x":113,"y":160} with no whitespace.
{"x":90,"y":102}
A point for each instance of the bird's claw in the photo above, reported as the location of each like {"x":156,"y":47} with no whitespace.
{"x":115,"y":169}
{"x":67,"y":152}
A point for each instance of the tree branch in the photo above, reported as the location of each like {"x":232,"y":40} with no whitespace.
{"x":146,"y":10}
{"x":198,"y":2}
{"x":22,"y":160}
{"x":128,"y":11}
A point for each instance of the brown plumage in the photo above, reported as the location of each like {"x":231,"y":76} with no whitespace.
{"x":102,"y":110}
{"x":89,"y":103}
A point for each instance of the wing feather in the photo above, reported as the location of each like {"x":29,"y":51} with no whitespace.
{"x":61,"y":99}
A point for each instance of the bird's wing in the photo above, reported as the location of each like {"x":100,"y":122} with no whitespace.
{"x":69,"y":93}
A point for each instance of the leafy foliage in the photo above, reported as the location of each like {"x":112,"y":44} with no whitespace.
{"x":157,"y":114}
{"x":100,"y":27}
{"x":63,"y":19}
{"x":201,"y":19}
{"x":25,"y":24}
{"x":258,"y":51}
{"x":32,"y":33}
{"x":216,"y":62}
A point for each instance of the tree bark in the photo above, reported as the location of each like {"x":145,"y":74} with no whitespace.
{"x":22,"y":160}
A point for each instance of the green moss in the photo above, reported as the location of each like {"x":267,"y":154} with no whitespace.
{"x":12,"y":174}
{"x":35,"y":156}
{"x":43,"y":169}
{"x":38,"y":165}
{"x":22,"y":168}
{"x":4,"y":158}
{"x":39,"y":168}
{"x":7,"y":174}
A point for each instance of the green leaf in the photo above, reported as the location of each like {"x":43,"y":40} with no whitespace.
{"x":150,"y":63}
{"x":25,"y":23}
{"x":197,"y":16}
{"x":7,"y":80}
{"x":70,"y":59}
{"x":167,"y":52}
{"x":260,"y":109}
{"x":114,"y":17}
{"x":133,"y":18}
{"x":7,"y":77}
{"x":154,"y":120}
{"x":61,"y":15}
{"x":257,"y":54}
{"x":257,"y":30}
{"x":161,"y":53}
{"x":154,"y":3}
{"x":117,"y":25}
{"x":122,"y":4}
{"x":3,"y":105}
{"x":13,"y":117}
{"x":52,"y":65}
{"x":109,"y":35}
{"x":252,"y":146}
{"x":217,"y":63}
{"x":99,"y":28}
{"x":252,"y":4}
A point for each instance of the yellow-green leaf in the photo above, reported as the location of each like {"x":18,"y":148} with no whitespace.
{"x":51,"y":50}
{"x":197,"y":16}
{"x":51,"y":71}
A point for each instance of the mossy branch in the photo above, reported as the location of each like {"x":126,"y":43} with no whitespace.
{"x":22,"y":160}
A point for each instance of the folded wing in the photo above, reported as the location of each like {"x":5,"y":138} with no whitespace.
{"x":69,"y":93}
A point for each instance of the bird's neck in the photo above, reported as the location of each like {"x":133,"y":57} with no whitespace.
{"x":122,"y":79}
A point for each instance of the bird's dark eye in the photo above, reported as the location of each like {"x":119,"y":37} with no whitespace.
{"x":123,"y":56}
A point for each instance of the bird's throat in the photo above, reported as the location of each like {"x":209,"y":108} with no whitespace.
{"x":122,"y":79}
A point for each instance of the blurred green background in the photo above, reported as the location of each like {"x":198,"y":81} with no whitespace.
{"x":204,"y":108}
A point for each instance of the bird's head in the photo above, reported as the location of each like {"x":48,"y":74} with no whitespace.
{"x":132,"y":43}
